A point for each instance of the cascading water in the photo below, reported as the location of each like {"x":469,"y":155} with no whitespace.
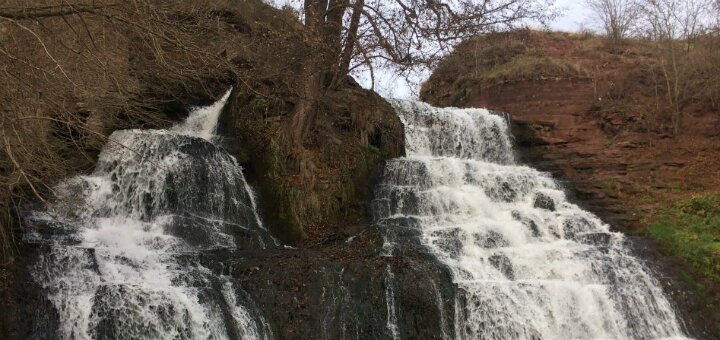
{"x":126,"y":247}
{"x":526,"y":263}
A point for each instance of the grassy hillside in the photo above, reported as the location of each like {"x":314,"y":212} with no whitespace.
{"x":690,"y":229}
{"x":627,"y":77}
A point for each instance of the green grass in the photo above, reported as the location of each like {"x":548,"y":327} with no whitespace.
{"x":690,"y":229}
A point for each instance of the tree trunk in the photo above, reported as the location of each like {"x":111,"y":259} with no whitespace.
{"x":303,"y":114}
{"x":312,"y":76}
{"x":350,"y":42}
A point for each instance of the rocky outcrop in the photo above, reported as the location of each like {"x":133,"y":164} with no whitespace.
{"x":349,"y":291}
{"x":319,"y":193}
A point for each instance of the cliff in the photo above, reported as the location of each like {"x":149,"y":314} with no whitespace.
{"x":588,"y":113}
{"x":323,"y":198}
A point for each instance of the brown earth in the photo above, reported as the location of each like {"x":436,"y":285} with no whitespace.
{"x":596,"y":133}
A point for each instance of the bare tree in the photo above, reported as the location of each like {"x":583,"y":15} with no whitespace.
{"x":404,"y":34}
{"x":72,"y":71}
{"x":618,"y":17}
{"x":674,"y":25}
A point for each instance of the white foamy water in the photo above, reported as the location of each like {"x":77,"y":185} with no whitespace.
{"x":203,"y":120}
{"x":527,"y":264}
{"x":126,"y":244}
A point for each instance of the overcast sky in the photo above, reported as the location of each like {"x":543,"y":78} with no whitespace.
{"x":574,"y":16}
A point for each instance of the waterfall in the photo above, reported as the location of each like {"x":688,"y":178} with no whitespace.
{"x":131,"y":251}
{"x":526,"y":263}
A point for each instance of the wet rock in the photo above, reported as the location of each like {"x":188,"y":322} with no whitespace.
{"x":120,"y":312}
{"x":502,"y":263}
{"x":449,"y":241}
{"x":530,"y":224}
{"x":596,"y":239}
{"x":504,"y":192}
{"x":491,"y":239}
{"x":575,"y":225}
{"x":543,"y":201}
{"x":349,"y":292}
{"x":45,"y":320}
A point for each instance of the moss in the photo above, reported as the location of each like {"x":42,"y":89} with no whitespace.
{"x":690,"y":229}
{"x":372,"y":149}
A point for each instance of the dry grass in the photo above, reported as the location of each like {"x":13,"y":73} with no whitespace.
{"x":66,"y":82}
{"x":529,"y":67}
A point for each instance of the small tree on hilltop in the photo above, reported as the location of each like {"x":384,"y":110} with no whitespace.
{"x":674,"y":26}
{"x":618,"y":17}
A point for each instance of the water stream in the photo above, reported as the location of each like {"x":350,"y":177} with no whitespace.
{"x":126,"y":244}
{"x":526,"y":263}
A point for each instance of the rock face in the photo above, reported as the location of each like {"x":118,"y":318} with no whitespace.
{"x":544,"y":202}
{"x":319,"y":192}
{"x":348,"y":291}
{"x":338,"y":283}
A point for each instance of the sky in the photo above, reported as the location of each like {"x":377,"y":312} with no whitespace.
{"x":574,"y":17}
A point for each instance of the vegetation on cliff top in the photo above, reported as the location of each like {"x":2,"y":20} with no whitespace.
{"x":670,"y":46}
{"x":495,"y":59}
